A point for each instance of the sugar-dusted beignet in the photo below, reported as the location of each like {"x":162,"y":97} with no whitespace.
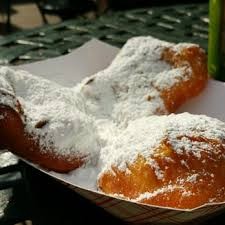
{"x":147,"y":77}
{"x":44,"y":122}
{"x":175,"y":161}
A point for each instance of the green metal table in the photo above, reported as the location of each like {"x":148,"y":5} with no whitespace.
{"x":180,"y":23}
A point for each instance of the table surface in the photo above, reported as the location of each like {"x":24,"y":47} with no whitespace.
{"x":180,"y":23}
{"x":49,"y":201}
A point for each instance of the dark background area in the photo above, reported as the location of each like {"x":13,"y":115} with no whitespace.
{"x":16,"y":15}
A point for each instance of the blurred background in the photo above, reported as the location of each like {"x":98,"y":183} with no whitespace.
{"x":16,"y":15}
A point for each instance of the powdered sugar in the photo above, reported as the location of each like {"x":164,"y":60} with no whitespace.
{"x":170,"y":78}
{"x":166,"y":189}
{"x":180,"y":46}
{"x":144,"y":135}
{"x":6,"y":89}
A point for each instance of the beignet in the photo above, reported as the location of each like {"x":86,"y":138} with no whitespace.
{"x":175,"y":161}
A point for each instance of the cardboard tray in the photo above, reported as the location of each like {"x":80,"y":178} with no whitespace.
{"x":90,"y":58}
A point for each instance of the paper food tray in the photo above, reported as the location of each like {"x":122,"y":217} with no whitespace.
{"x":90,"y":58}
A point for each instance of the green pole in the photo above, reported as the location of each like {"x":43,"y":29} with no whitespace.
{"x":216,"y":57}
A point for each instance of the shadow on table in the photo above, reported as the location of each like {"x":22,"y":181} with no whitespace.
{"x":55,"y":204}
